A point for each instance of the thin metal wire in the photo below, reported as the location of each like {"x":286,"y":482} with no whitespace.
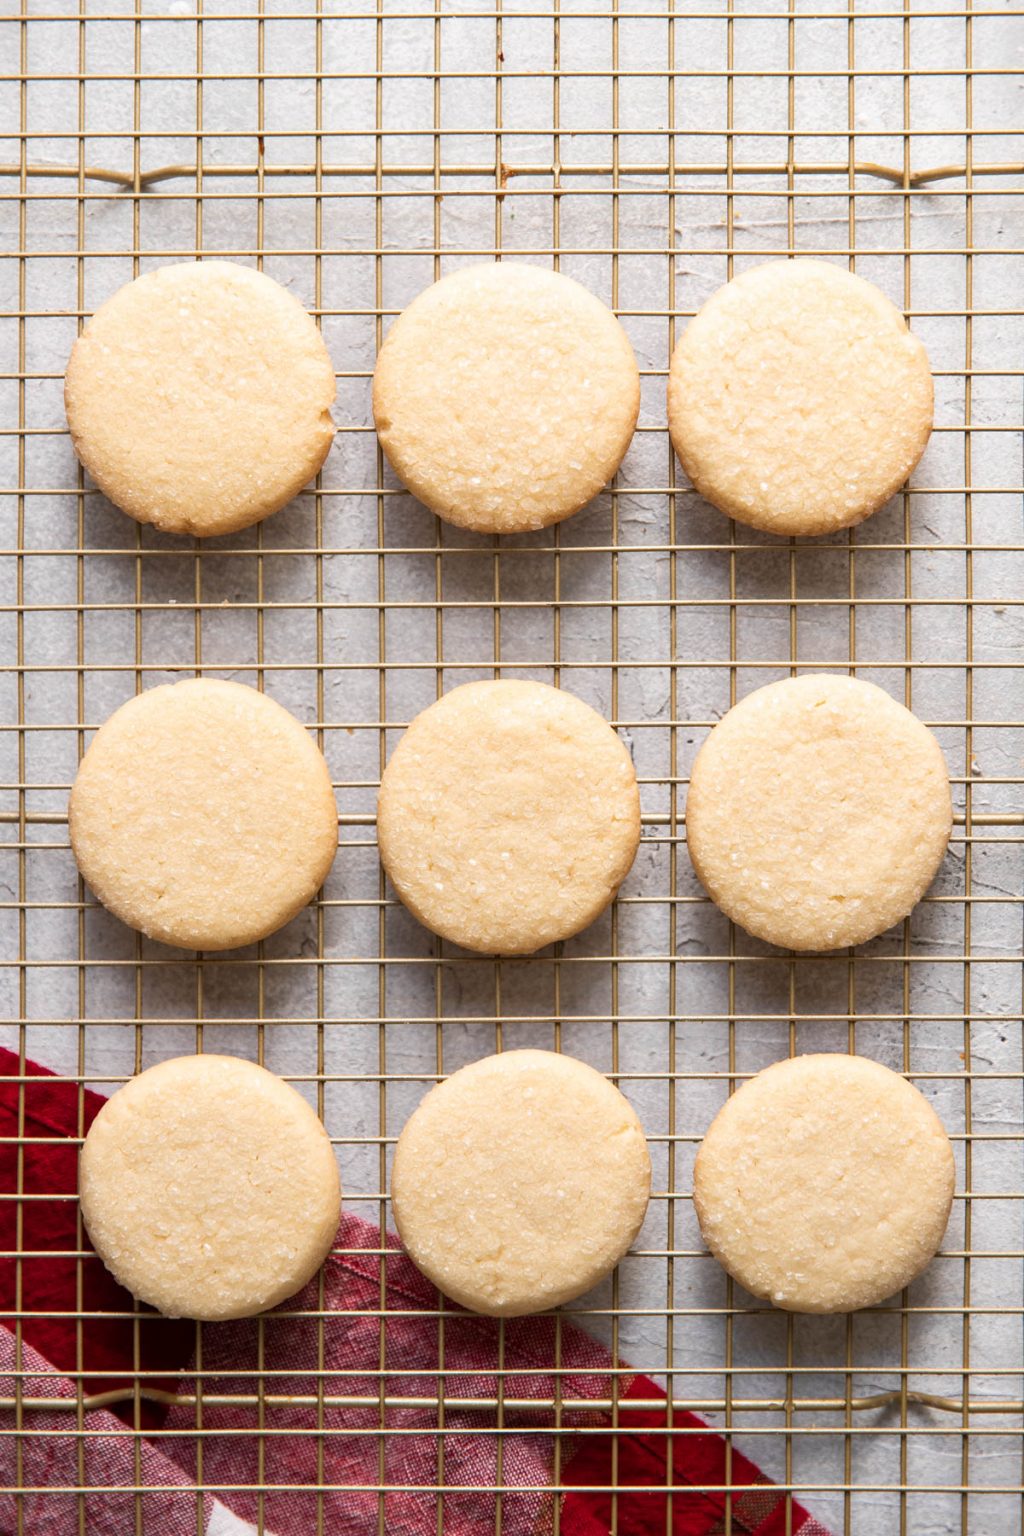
{"x":929,"y":1373}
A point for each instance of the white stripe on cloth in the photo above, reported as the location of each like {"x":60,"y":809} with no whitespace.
{"x":223,"y":1523}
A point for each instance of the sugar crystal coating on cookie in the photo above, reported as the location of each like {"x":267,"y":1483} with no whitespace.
{"x":824,"y":1183}
{"x":818,"y":812}
{"x":203,"y":814}
{"x":508,"y":816}
{"x":209,"y":1188}
{"x":505,"y":397}
{"x":798,"y":400}
{"x":520,"y":1181}
{"x":199,"y":397}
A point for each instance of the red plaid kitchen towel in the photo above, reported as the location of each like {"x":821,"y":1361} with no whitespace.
{"x":314,"y":1455}
{"x":107,"y":1457}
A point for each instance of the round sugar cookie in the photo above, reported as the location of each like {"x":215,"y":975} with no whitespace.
{"x":508,"y":816}
{"x":203,"y":814}
{"x":798,"y":400}
{"x":520,"y":1182}
{"x":199,"y":397}
{"x":824,"y":1184}
{"x":209,"y":1188}
{"x":819,"y":811}
{"x":505,"y":397}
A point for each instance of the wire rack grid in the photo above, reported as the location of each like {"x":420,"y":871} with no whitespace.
{"x":651,"y":150}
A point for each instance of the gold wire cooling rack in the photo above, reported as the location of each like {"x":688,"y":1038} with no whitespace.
{"x":651,"y":150}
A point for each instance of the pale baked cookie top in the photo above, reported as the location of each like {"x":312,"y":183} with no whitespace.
{"x":818,"y":812}
{"x":199,"y":397}
{"x":798,"y":400}
{"x":209,"y":1188}
{"x":203,"y":814}
{"x":508,"y":816}
{"x":520,"y":1181}
{"x":505,"y":397}
{"x":824,"y":1183}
